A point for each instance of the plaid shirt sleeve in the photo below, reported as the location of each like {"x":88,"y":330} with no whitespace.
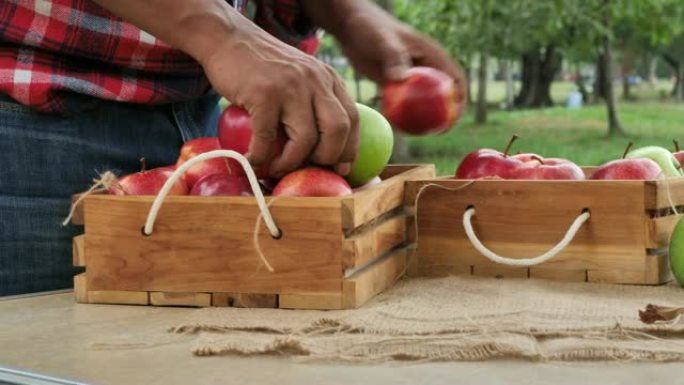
{"x":59,"y":56}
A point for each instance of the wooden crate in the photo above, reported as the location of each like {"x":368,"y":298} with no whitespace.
{"x":334,"y":253}
{"x":624,"y":241}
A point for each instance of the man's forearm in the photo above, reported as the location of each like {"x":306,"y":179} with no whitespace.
{"x":196,"y":27}
{"x":333,"y":15}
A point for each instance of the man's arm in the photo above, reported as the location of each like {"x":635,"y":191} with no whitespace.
{"x":276,"y":83}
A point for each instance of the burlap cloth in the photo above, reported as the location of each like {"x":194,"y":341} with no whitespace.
{"x":456,"y":318}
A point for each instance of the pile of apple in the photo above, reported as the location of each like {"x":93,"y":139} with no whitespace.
{"x":226,"y":177}
{"x":646,"y":163}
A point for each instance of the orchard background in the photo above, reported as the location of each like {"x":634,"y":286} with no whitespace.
{"x":524,"y":58}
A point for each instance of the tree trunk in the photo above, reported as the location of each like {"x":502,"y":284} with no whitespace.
{"x":538,"y":72}
{"x":652,"y":74}
{"x":614,"y":126}
{"x":481,"y":108}
{"x":679,"y":78}
{"x":599,"y":84}
{"x":508,"y":78}
{"x":581,"y":86}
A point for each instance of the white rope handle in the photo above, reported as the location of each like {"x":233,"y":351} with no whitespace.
{"x":572,"y":231}
{"x":254,"y":183}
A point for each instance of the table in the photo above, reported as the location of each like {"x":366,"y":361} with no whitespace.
{"x":50,"y":335}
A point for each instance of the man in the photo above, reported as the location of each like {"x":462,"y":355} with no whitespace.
{"x":87,"y":86}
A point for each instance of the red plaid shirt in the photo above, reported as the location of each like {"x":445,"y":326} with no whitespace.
{"x":59,"y":56}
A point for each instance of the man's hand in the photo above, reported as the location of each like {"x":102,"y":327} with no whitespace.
{"x":276,"y":83}
{"x":380,"y":47}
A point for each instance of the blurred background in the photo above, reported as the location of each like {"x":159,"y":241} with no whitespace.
{"x":576,"y":79}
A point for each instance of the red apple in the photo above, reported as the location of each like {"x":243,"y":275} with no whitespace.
{"x":148,"y":182}
{"x":222,"y":184}
{"x":486,"y":162}
{"x":427,"y":101}
{"x":535,"y":167}
{"x":678,"y":154}
{"x":628,"y":169}
{"x":235,"y":133}
{"x":194,"y":147}
{"x":312,"y":182}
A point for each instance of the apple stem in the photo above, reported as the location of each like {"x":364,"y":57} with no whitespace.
{"x":143,"y":165}
{"x":510,"y":144}
{"x":676,"y":144}
{"x":538,"y":159}
{"x":629,"y":147}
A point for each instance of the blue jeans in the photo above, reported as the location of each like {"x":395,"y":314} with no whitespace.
{"x":44,"y":159}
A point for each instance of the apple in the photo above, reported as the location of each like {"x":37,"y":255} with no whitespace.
{"x":546,"y":168}
{"x":312,"y":182}
{"x":677,"y":252}
{"x":197,"y":146}
{"x":666,"y":160}
{"x":678,"y":154}
{"x":222,"y":184}
{"x":235,"y":133}
{"x":628,"y":169}
{"x":486,"y":162}
{"x":147,"y":182}
{"x":427,"y":101}
{"x":376,"y":142}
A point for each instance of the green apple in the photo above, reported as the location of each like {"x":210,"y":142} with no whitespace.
{"x":376,"y":142}
{"x":677,"y":252}
{"x":665,"y":159}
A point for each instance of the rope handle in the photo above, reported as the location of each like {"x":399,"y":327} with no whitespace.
{"x":572,"y":231}
{"x":251,"y":177}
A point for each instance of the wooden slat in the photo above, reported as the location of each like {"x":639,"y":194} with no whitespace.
{"x":81,"y":288}
{"x":558,"y":275}
{"x":317,"y":301}
{"x":78,"y":250}
{"x":244,"y":300}
{"x":205,"y":244}
{"x":663,"y":194}
{"x":396,"y":169}
{"x":365,"y":205}
{"x":658,"y":269}
{"x":118,"y":297}
{"x":500,"y":271}
{"x":373,"y":242}
{"x":158,"y":298}
{"x":523,"y":219}
{"x":659,"y":230}
{"x":372,"y":280}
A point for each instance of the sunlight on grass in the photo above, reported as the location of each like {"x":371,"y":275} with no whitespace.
{"x":579,"y":135}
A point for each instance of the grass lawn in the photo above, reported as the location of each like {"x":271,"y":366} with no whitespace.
{"x":579,"y":135}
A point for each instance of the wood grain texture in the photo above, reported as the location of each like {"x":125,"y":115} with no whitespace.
{"x":78,"y":250}
{"x":313,"y":301}
{"x":558,"y":275}
{"x":158,"y":298}
{"x":523,"y":219}
{"x":663,"y":194}
{"x":204,"y":244}
{"x":500,"y":271}
{"x":245,"y":300}
{"x":119,"y":297}
{"x":81,"y":288}
{"x":361,"y":248}
{"x":365,"y":205}
{"x":374,"y":279}
{"x":659,"y":230}
{"x":423,"y":270}
{"x":658,"y":269}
